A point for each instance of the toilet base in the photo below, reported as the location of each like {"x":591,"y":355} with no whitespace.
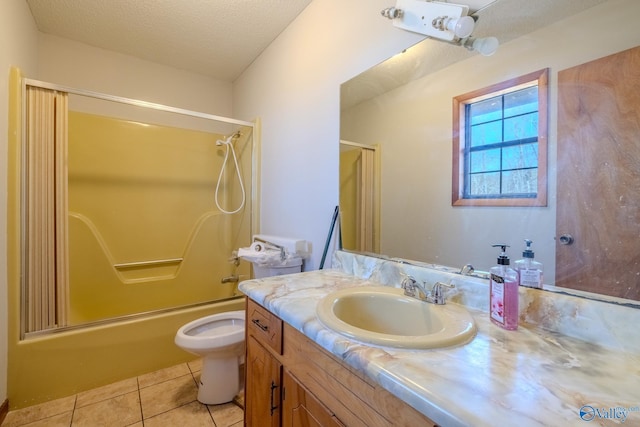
{"x":219,"y":380}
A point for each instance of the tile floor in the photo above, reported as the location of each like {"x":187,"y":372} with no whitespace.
{"x":163,"y":398}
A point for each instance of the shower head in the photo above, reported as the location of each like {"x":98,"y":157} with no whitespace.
{"x":224,"y":141}
{"x":229,"y":139}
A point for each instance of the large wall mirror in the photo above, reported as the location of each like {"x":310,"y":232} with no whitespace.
{"x":398,"y":203}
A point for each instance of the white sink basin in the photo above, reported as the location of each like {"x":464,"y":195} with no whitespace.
{"x":385,"y":316}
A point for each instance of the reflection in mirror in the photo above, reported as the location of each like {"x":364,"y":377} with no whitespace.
{"x":404,"y":106}
{"x":359,"y":196}
{"x":135,"y":227}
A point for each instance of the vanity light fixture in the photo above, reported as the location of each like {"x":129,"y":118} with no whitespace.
{"x":449,"y":22}
{"x":485,"y":46}
{"x":461,"y":27}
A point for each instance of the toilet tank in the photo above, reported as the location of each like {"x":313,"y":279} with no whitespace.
{"x":289,"y":266}
{"x":296,"y":250}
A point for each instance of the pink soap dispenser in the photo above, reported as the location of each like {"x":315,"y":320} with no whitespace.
{"x":503,"y":297}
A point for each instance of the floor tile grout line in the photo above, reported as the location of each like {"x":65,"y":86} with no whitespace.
{"x":169,"y":410}
{"x":211,"y":415}
{"x":167,"y":379}
{"x":162,"y":382}
{"x":140,"y":401}
{"x":103,"y":399}
{"x":73,"y":410}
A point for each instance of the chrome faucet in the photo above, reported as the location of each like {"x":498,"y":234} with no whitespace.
{"x":467,"y":269}
{"x":409,"y":284}
{"x":434,"y":296}
{"x":437,"y":295}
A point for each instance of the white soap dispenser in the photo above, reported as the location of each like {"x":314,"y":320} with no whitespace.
{"x":529,"y":270}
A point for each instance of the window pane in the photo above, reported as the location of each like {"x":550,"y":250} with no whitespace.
{"x":520,"y":182}
{"x":521,"y":127}
{"x":485,"y":161}
{"x":484,"y":184}
{"x":485,"y":111}
{"x":520,"y":102}
{"x":501,"y":142}
{"x":520,"y":156}
{"x":488,"y":133}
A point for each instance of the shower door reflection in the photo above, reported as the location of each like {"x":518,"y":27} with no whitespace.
{"x":359,"y":196}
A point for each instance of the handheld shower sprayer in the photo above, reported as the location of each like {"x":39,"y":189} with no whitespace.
{"x":229,"y":139}
{"x":228,"y":143}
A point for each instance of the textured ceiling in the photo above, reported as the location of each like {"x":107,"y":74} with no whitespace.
{"x":217,"y":38}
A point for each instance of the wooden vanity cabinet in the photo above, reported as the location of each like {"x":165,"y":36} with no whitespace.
{"x":263,"y":377}
{"x":262,"y":393}
{"x":291,"y":382}
{"x":300,"y":408}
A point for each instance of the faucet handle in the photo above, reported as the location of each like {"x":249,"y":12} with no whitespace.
{"x":436,"y":293}
{"x":408,"y":284}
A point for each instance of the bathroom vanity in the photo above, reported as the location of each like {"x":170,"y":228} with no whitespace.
{"x":544,"y":374}
{"x":290,"y":378}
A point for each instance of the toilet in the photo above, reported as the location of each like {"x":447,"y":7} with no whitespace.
{"x":219,"y":340}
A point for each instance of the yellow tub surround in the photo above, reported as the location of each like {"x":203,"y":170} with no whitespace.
{"x":528,"y":377}
{"x":144,"y":233}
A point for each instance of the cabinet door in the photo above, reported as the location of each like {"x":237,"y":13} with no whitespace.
{"x":262,"y":388}
{"x":301,"y":409}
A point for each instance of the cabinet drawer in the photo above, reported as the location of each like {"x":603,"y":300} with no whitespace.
{"x":264,"y":326}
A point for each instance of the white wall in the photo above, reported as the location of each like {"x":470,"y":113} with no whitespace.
{"x":18,"y":46}
{"x":294,"y":86}
{"x":81,"y":66}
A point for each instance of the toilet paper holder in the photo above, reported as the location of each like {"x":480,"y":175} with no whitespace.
{"x":283,"y":254}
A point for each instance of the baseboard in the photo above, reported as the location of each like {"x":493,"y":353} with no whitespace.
{"x":4,"y":410}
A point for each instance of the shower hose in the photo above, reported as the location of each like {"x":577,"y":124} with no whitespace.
{"x":229,"y":145}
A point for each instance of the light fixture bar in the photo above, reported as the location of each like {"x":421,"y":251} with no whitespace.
{"x":432,"y":18}
{"x":444,"y":21}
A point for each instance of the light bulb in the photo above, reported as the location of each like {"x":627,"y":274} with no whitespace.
{"x":461,"y":27}
{"x":486,"y":46}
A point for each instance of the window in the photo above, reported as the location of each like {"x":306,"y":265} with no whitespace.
{"x":500,"y":144}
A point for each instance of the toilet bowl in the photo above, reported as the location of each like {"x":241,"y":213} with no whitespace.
{"x":219,"y":340}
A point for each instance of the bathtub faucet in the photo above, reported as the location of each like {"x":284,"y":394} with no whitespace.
{"x":230,"y":279}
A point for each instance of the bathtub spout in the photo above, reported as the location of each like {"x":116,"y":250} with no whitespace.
{"x":230,"y":279}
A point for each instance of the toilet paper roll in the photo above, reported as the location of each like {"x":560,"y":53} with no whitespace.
{"x":256,"y":250}
{"x":257,"y":247}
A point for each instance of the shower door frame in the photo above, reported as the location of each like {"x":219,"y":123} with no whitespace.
{"x":255,"y":208}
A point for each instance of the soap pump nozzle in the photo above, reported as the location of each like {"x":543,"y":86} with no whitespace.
{"x":528,"y":253}
{"x":503,"y":259}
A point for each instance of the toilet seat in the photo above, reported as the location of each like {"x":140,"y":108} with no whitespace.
{"x":212,"y":332}
{"x":219,"y":340}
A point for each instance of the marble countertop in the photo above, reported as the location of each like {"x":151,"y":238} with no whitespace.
{"x":528,"y":377}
